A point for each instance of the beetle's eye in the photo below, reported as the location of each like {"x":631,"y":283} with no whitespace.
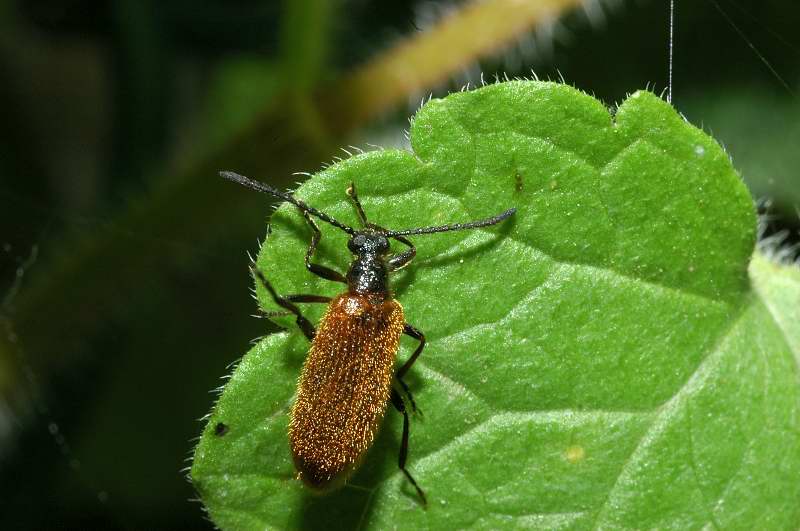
{"x":383,"y":245}
{"x":356,"y":243}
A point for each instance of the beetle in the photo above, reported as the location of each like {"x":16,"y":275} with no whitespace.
{"x":347,"y":379}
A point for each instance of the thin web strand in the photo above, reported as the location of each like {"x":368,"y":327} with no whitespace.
{"x":671,"y":48}
{"x":780,"y":38}
{"x":752,"y":47}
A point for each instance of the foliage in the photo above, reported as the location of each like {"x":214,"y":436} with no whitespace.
{"x":601,"y":361}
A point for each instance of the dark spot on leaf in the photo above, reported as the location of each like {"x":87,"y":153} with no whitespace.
{"x":220,"y":429}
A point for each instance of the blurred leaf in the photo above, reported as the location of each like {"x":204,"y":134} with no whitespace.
{"x":601,"y":361}
{"x":760,"y":130}
{"x":241,"y":92}
{"x":306,"y":43}
{"x":779,"y":288}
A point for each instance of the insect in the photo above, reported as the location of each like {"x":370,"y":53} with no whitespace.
{"x":348,"y":377}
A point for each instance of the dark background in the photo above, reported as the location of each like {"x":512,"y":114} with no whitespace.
{"x":123,"y":267}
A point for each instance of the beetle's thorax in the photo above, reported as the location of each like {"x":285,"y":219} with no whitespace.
{"x":368,"y":276}
{"x":368,"y":273}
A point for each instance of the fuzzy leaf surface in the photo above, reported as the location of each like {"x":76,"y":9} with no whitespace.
{"x":601,"y":360}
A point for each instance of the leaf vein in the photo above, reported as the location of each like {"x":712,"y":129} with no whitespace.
{"x":665,"y":411}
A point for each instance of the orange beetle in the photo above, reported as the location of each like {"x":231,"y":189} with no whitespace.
{"x":347,"y":377}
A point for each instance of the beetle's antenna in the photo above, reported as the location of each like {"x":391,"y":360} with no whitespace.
{"x":266,"y":189}
{"x":453,"y":226}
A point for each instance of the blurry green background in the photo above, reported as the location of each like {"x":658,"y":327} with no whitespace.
{"x":123,"y":266}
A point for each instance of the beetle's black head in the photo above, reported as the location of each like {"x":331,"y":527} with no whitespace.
{"x":368,"y":273}
{"x":366,"y":243}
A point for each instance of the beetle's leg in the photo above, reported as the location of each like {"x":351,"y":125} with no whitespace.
{"x":320,"y":270}
{"x":362,"y":216}
{"x":273,"y":313}
{"x":400,"y":260}
{"x":304,"y":324}
{"x":351,"y":193}
{"x":307,"y":298}
{"x":418,"y":335}
{"x":407,"y":392}
{"x":294,"y":298}
{"x":401,"y":461}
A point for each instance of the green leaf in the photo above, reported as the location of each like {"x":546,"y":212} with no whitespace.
{"x":600,"y":360}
